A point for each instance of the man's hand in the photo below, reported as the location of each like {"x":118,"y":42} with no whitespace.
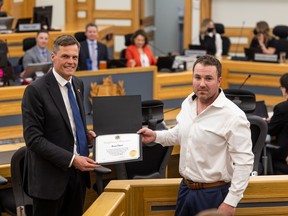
{"x":90,"y":137}
{"x":226,"y":209}
{"x":148,"y":135}
{"x":84,"y":163}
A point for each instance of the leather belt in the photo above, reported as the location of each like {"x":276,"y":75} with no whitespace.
{"x":197,"y":185}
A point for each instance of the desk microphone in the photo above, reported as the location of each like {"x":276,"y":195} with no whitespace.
{"x":235,"y":57}
{"x":248,"y":77}
{"x":159,"y":50}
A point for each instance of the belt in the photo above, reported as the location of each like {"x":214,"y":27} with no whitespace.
{"x":197,"y":185}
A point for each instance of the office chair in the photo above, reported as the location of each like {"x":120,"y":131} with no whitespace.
{"x":80,"y":36}
{"x":246,"y":101}
{"x":14,"y":201}
{"x":155,"y":156}
{"x":27,"y":44}
{"x":7,"y":203}
{"x":226,"y":42}
{"x":128,"y":42}
{"x":22,"y":201}
{"x":281,"y":31}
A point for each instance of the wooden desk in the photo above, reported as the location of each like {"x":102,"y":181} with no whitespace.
{"x":172,"y":88}
{"x":14,"y":40}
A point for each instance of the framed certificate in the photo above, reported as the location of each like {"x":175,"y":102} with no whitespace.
{"x":115,"y":148}
{"x":116,"y":120}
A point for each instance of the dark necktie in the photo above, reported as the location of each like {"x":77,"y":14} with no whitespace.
{"x":82,"y":145}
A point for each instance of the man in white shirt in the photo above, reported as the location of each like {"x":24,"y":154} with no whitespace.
{"x":216,"y":156}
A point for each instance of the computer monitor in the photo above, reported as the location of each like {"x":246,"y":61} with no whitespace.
{"x":6,"y":23}
{"x":43,"y":15}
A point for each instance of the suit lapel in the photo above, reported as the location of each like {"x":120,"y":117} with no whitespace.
{"x":56,"y":95}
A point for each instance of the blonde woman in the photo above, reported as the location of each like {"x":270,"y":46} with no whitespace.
{"x":262,"y":39}
{"x":209,"y":39}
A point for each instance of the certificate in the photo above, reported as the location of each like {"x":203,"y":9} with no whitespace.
{"x":113,"y":148}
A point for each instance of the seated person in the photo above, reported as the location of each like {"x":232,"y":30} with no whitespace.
{"x":139,"y":53}
{"x":210,"y":39}
{"x":91,"y":50}
{"x":278,"y":124}
{"x":263,"y":39}
{"x":38,"y":53}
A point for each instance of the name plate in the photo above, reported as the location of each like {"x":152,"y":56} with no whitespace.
{"x":197,"y":53}
{"x":265,"y":57}
{"x":29,"y":27}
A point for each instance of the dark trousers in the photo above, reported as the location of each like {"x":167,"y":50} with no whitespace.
{"x":190,"y":202}
{"x":70,"y":203}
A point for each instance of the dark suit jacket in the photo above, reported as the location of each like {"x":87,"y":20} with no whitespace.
{"x":278,"y":127}
{"x":84,"y":54}
{"x":48,"y":136}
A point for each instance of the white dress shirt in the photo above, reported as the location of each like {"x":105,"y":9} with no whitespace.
{"x":64,"y":91}
{"x":215,"y":145}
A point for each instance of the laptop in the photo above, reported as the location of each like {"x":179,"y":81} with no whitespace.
{"x":6,"y":24}
{"x":165,"y":63}
{"x":22,"y":21}
{"x":250,"y":52}
{"x":116,"y":63}
{"x":37,"y":69}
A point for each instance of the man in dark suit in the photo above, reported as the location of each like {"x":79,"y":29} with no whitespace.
{"x":92,"y":51}
{"x":56,"y":175}
{"x":278,"y":125}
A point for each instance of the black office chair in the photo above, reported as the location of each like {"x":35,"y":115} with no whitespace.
{"x":27,"y":44}
{"x":155,"y":156}
{"x":24,"y":203}
{"x":128,"y":42}
{"x":281,"y":32}
{"x":246,"y":101}
{"x":80,"y":36}
{"x":15,"y":201}
{"x":7,"y":203}
{"x":226,"y":42}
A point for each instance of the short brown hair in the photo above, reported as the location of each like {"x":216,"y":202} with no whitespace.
{"x":64,"y":40}
{"x":209,"y":60}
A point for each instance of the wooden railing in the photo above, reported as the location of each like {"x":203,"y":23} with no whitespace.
{"x":265,"y":196}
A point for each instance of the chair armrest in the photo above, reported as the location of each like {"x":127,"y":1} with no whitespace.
{"x":3,"y":180}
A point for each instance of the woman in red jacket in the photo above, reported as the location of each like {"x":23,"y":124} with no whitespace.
{"x":139,"y":53}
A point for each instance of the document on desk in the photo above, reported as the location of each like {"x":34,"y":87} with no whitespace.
{"x":113,"y":148}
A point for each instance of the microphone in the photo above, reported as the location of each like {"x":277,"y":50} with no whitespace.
{"x":159,"y":50}
{"x":235,"y":57}
{"x":248,"y":77}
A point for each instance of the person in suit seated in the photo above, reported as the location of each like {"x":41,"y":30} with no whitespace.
{"x":209,"y":38}
{"x":278,"y":124}
{"x":262,"y":40}
{"x":92,"y":51}
{"x":57,"y":162}
{"x":139,"y":53}
{"x":38,"y":53}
